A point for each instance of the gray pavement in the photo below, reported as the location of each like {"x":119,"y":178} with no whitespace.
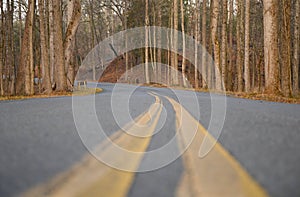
{"x":38,"y":140}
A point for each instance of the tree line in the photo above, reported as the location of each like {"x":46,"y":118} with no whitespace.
{"x":37,"y":44}
{"x":254,"y":43}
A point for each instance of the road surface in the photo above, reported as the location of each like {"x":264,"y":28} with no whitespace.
{"x":39,"y":141}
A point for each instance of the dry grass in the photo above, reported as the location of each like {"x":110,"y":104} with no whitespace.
{"x":82,"y":92}
{"x":252,"y":96}
{"x":258,"y":96}
{"x":87,"y":91}
{"x":90,"y":91}
{"x":155,"y":85}
{"x":265,"y":97}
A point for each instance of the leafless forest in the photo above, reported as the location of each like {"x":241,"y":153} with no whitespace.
{"x":254,"y":43}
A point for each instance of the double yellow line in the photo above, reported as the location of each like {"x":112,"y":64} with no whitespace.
{"x":93,"y":178}
{"x":217,"y":174}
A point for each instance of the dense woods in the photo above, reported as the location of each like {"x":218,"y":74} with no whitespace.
{"x":254,"y":43}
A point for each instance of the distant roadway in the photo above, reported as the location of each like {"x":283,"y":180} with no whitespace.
{"x":257,"y":154}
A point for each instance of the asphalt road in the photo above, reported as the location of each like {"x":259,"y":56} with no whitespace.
{"x":39,"y":140}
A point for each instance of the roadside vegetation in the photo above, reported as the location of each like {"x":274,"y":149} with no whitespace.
{"x":255,"y":44}
{"x":81,"y":92}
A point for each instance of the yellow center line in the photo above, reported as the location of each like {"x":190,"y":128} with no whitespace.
{"x":93,"y":178}
{"x":217,"y":174}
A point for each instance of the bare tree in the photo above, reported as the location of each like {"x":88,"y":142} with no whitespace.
{"x":24,"y":84}
{"x":183,"y":44}
{"x":126,"y":41}
{"x":210,"y":69}
{"x":74,"y":14}
{"x":271,"y":53}
{"x":9,"y":59}
{"x":215,"y":42}
{"x":170,"y":44}
{"x":20,"y":23}
{"x":1,"y":48}
{"x":204,"y":66}
{"x":51,"y":43}
{"x":224,"y":41}
{"x":286,"y":77}
{"x":93,"y":38}
{"x":153,"y":43}
{"x":175,"y":44}
{"x":46,"y":83}
{"x":239,"y":33}
{"x":230,"y":48}
{"x":247,"y":48}
{"x":159,"y":52}
{"x":147,"y":42}
{"x":196,"y":44}
{"x":31,"y":53}
{"x":296,"y":49}
{"x":59,"y":63}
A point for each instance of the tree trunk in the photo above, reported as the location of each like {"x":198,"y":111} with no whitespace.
{"x":247,"y":48}
{"x":51,"y":43}
{"x":11,"y":51}
{"x":210,"y":49}
{"x":4,"y":49}
{"x":196,"y":44}
{"x":10,"y":63}
{"x":159,"y":51}
{"x":24,"y":85}
{"x":74,"y":14}
{"x":20,"y":23}
{"x":31,"y":52}
{"x":239,"y":33}
{"x":175,"y":44}
{"x":59,"y":63}
{"x":147,"y":43}
{"x":224,"y":43}
{"x":230,"y":49}
{"x":183,"y":45}
{"x":46,"y":83}
{"x":126,"y":43}
{"x":1,"y":48}
{"x":215,"y":43}
{"x":286,"y":49}
{"x":204,"y":65}
{"x":20,"y":33}
{"x":92,"y":43}
{"x":296,"y":49}
{"x":170,"y":44}
{"x":271,"y":46}
{"x":153,"y":51}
